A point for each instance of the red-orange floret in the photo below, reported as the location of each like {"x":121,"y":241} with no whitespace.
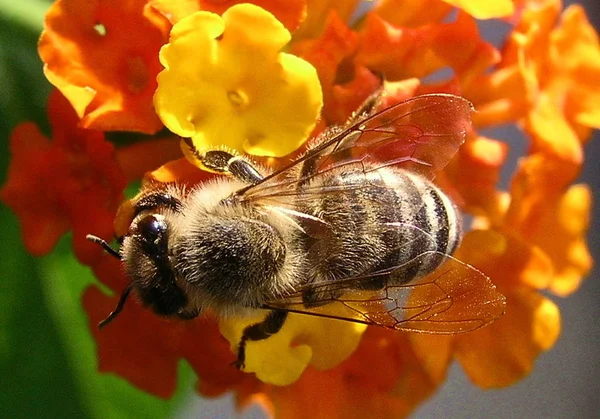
{"x":70,"y":182}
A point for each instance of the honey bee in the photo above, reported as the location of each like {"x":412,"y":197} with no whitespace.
{"x":356,"y":221}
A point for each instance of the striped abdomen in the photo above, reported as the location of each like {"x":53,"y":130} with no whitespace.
{"x":385,"y":219}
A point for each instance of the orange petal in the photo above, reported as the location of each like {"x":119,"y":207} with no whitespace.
{"x":181,"y":171}
{"x":499,"y":97}
{"x":106,"y":69}
{"x":412,"y":13}
{"x":507,"y":260}
{"x":72,"y":181}
{"x":345,"y":98}
{"x":475,"y":171}
{"x":539,"y":179}
{"x":145,"y":349}
{"x":335,"y":45}
{"x":561,"y":70}
{"x":576,"y":49}
{"x":133,"y":342}
{"x":39,"y":211}
{"x":504,"y":352}
{"x":400,"y":53}
{"x":561,"y":234}
{"x":551,"y":131}
{"x":140,"y":157}
{"x":434,"y":352}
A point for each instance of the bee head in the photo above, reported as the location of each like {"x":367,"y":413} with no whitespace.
{"x":146,"y":260}
{"x":145,"y":256}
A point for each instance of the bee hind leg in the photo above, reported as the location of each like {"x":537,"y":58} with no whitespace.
{"x":271,"y":324}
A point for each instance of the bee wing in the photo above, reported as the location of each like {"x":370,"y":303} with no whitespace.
{"x":420,"y":134}
{"x":455,"y":298}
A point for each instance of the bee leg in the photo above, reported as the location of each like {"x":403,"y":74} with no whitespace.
{"x":259,"y":331}
{"x":226,"y":163}
{"x":367,"y":108}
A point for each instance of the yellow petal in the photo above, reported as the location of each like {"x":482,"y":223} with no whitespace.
{"x":282,"y":358}
{"x":226,"y":84}
{"x":484,"y":9}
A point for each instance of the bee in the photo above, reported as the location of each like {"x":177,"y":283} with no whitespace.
{"x":356,"y":220}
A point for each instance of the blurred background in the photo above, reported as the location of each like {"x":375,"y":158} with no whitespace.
{"x":47,"y":356}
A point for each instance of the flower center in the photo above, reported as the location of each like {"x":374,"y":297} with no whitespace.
{"x":238,"y":99}
{"x":100,"y":29}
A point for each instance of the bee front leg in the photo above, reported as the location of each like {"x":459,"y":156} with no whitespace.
{"x":259,"y":331}
{"x":226,"y":163}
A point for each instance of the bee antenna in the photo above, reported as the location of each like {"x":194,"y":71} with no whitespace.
{"x":118,"y":308}
{"x":104,"y":245}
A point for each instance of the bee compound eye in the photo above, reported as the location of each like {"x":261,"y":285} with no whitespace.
{"x":152,"y":229}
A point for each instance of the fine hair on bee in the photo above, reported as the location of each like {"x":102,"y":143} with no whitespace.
{"x":356,"y":221}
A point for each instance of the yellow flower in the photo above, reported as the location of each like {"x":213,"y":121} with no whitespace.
{"x":303,"y":340}
{"x":226,"y":85}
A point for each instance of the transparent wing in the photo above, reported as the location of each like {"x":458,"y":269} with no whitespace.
{"x":420,"y":134}
{"x":455,"y":298}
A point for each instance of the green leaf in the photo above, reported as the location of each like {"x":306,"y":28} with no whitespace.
{"x":35,"y":380}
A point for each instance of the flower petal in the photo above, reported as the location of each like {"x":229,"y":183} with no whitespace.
{"x":424,"y":50}
{"x":477,"y":186}
{"x":336,"y":45}
{"x":508,"y":260}
{"x":540,"y":178}
{"x":303,"y":340}
{"x":560,"y":233}
{"x":485,"y":9}
{"x":291,"y":13}
{"x":383,"y":379}
{"x":105,"y":69}
{"x":227,"y":85}
{"x":504,"y":352}
{"x":26,"y":192}
{"x":145,"y":349}
{"x":412,"y":13}
{"x":73,"y":181}
{"x":318,"y":13}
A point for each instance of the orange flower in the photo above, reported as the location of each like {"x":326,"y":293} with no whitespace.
{"x":103,"y":56}
{"x":72,"y":182}
{"x":548,"y":77}
{"x":426,"y":49}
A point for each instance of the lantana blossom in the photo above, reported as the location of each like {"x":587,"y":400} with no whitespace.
{"x":103,"y":56}
{"x":225,"y":83}
{"x":253,"y":79}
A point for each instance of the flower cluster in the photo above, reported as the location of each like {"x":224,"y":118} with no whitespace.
{"x":254,"y":78}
